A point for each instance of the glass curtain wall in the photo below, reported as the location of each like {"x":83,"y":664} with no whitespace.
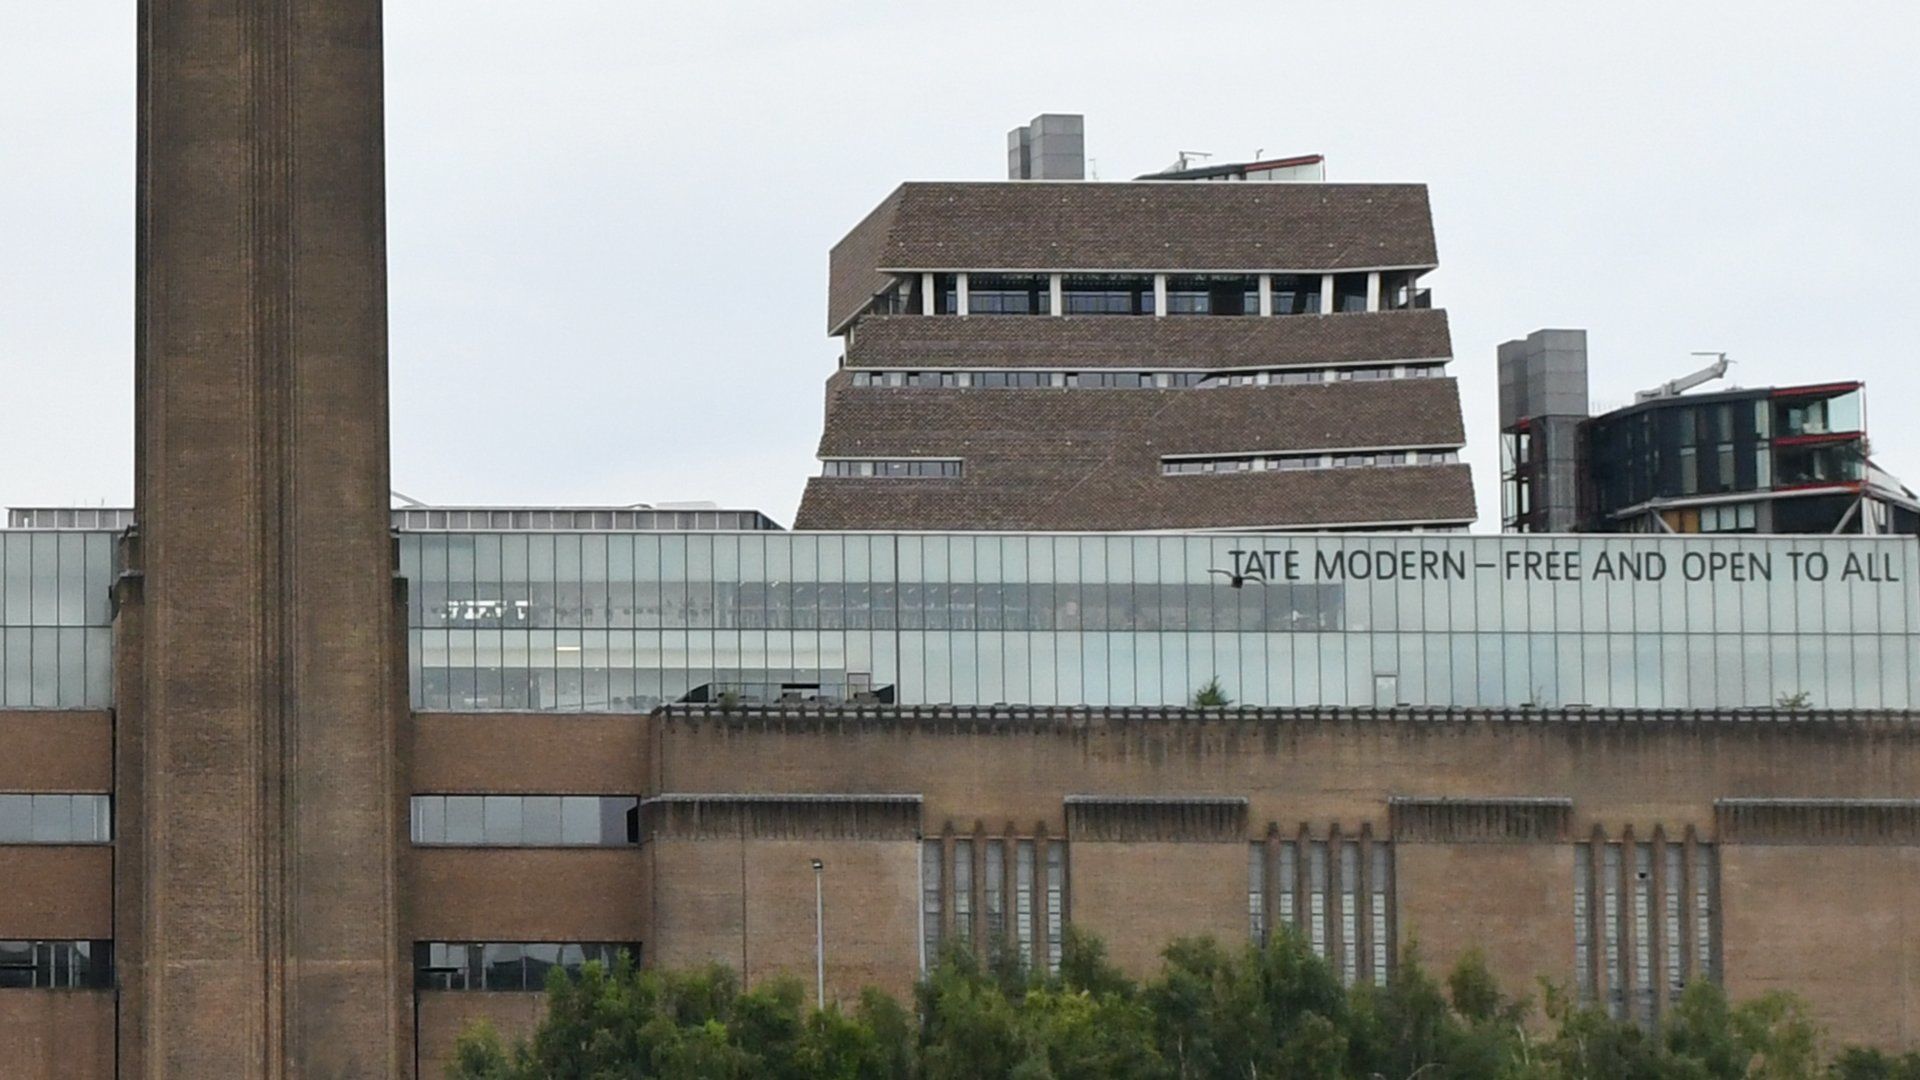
{"x":56,"y":617}
{"x":618,"y":622}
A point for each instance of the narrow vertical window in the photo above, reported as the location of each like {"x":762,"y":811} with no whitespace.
{"x":930,"y":858}
{"x":1382,"y":950}
{"x":1023,"y":900}
{"x":1670,"y":916}
{"x":1317,"y":897}
{"x":996,"y":891}
{"x":1056,"y":902}
{"x":1703,"y":887}
{"x":1611,"y":915}
{"x":1583,"y":922}
{"x":1349,"y":911}
{"x":1289,"y":883}
{"x":1643,"y":933}
{"x":963,"y":893}
{"x":1257,"y":892}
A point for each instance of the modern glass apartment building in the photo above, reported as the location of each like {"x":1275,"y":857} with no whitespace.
{"x":585,"y":621}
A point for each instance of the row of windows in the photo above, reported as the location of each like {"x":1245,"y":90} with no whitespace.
{"x":1516,"y":670}
{"x":935,"y":605}
{"x":110,"y":519}
{"x":625,"y":520}
{"x":1336,"y":895}
{"x":747,"y":580}
{"x":45,"y":667}
{"x":919,"y":468}
{"x":508,"y":965}
{"x":1652,"y":919}
{"x":56,"y":819}
{"x":1009,"y":897}
{"x":1738,"y":518}
{"x":1134,"y":294}
{"x":1713,"y":447}
{"x":527,"y":820}
{"x":1138,"y":380}
{"x":56,"y":965}
{"x":52,"y":579}
{"x":1300,"y":462}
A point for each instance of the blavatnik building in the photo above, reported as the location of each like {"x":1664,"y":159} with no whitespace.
{"x":294,"y":783}
{"x":1158,"y":354}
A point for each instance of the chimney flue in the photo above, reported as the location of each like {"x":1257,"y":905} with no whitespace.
{"x":1052,"y":147}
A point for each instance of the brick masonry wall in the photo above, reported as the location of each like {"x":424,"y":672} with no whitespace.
{"x":1837,"y":925}
{"x":57,"y":1034}
{"x":1490,"y":806}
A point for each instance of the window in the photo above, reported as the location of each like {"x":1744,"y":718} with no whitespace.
{"x":1257,"y":892}
{"x":1819,"y":417}
{"x":1009,"y":294}
{"x":1213,"y":294}
{"x":508,"y":965}
{"x":946,"y":294}
{"x":1350,"y":292}
{"x":1583,"y":924}
{"x":1610,"y":916}
{"x":1643,"y":933}
{"x":1107,"y":294}
{"x":1289,"y":462}
{"x":932,"y":858}
{"x":1317,"y":897}
{"x":1651,"y":892}
{"x":963,"y":893}
{"x":1023,"y":900}
{"x":995,"y":892}
{"x":1056,"y":902}
{"x":56,"y":965}
{"x":526,"y":820}
{"x":1296,"y":294}
{"x":1379,"y":889}
{"x":1289,"y":883}
{"x":892,"y":468}
{"x":56,"y":819}
{"x":1035,"y":378}
{"x":1349,"y":911}
{"x":1733,"y":519}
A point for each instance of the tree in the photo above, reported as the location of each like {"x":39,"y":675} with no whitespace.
{"x":1211,"y":1013}
{"x":1211,"y":696}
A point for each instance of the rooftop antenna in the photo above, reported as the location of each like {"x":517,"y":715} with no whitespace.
{"x":411,"y":502}
{"x":1676,"y":387}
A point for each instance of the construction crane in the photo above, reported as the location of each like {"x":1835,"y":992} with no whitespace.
{"x":1676,"y":387}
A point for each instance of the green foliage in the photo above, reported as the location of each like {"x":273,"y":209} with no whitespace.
{"x":1211,"y":696}
{"x":1798,"y":699}
{"x":1859,"y":1064}
{"x":1211,"y":1013}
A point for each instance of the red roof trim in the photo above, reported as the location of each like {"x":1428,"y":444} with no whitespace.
{"x":1816,"y":388}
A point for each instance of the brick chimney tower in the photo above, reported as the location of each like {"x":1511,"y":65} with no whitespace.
{"x":261,"y":681}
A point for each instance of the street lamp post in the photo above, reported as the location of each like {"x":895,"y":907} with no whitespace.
{"x":819,"y":937}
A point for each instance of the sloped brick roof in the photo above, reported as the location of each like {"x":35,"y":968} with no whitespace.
{"x":1137,"y":225}
{"x":1091,"y":459}
{"x":1138,"y":424}
{"x":1058,"y":494}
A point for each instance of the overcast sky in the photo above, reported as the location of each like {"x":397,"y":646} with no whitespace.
{"x":609,"y":220}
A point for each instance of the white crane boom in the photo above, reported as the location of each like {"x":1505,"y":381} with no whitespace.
{"x":1676,"y":387}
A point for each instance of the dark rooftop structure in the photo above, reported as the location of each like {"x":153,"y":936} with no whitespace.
{"x":1778,"y":459}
